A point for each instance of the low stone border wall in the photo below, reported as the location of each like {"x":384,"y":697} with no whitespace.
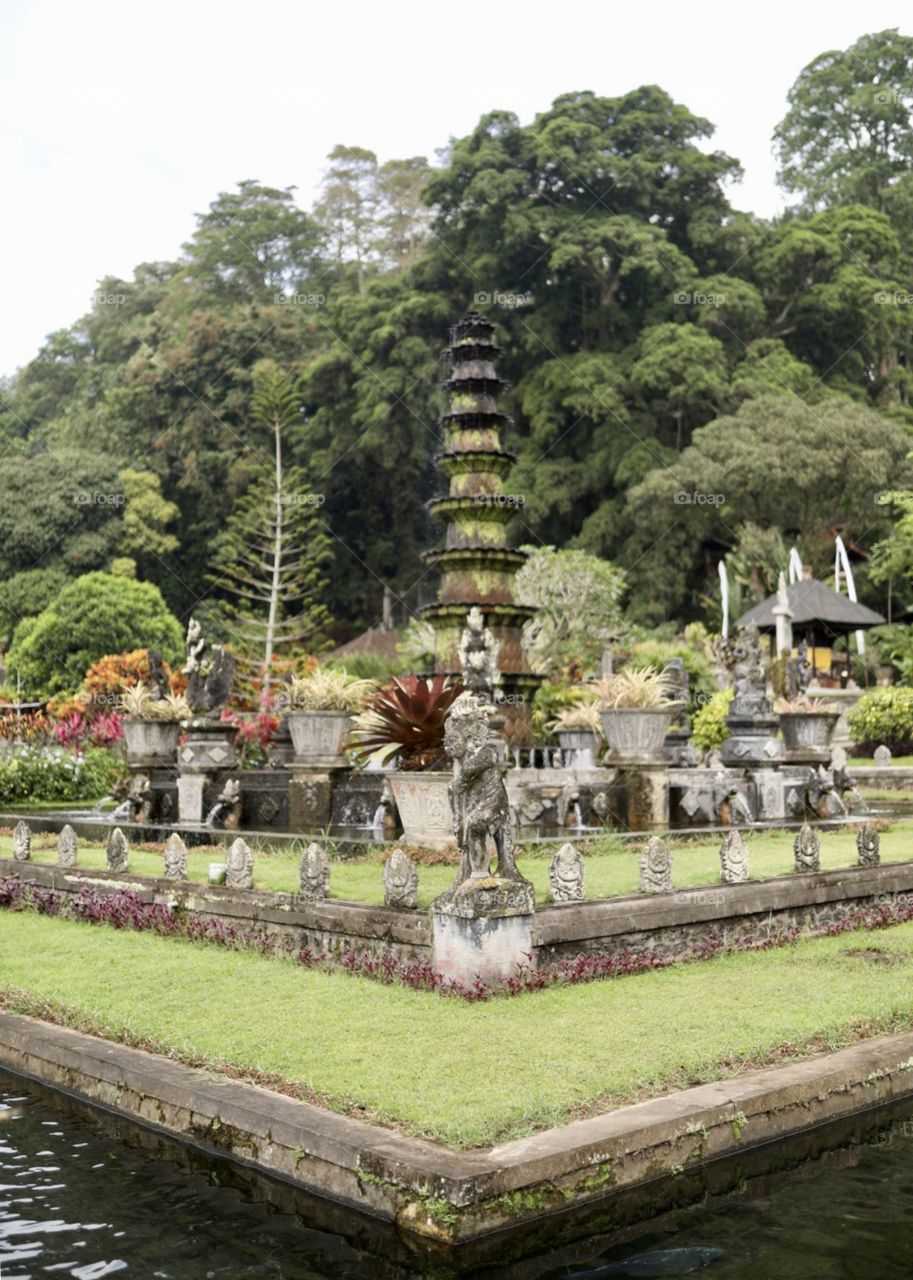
{"x":890,"y":777}
{"x":673,"y":924}
{"x":328,"y":927}
{"x":454,"y":1197}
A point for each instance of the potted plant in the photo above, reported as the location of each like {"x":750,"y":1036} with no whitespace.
{"x":404,"y":725}
{"x":320,"y":710}
{"x":579,"y":727}
{"x":152,"y":725}
{"x":807,"y":726}
{"x":636,"y":714}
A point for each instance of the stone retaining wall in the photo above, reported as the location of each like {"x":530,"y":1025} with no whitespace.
{"x":453,"y":1197}
{"x":673,"y":924}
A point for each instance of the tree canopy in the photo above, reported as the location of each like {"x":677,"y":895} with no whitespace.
{"x":655,"y":340}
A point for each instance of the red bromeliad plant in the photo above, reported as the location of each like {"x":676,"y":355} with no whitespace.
{"x":405,"y":721}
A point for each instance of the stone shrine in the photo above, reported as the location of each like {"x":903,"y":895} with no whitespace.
{"x":656,"y":867}
{"x":314,"y":874}
{"x":117,"y":851}
{"x":67,"y":847}
{"x":400,"y":881}
{"x":565,"y":875}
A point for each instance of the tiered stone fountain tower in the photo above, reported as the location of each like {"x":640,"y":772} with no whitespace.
{"x":475,"y":563}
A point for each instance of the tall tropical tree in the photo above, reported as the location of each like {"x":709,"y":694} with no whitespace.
{"x":272,"y":555}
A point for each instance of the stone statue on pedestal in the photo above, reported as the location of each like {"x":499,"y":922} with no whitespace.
{"x":481,"y":816}
{"x":478,"y":654}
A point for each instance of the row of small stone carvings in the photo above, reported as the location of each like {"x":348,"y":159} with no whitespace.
{"x":400,"y":872}
{"x":566,"y":871}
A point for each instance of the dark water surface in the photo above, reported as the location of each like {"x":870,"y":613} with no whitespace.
{"x":77,"y":1201}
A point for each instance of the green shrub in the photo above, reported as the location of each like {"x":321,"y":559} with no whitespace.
{"x":94,"y":615}
{"x":883,"y":716}
{"x":32,"y":773}
{"x":708,"y":728}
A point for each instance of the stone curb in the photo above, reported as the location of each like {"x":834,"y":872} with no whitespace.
{"x":454,"y":1196}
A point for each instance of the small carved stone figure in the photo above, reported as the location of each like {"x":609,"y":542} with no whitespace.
{"x":822,"y":795}
{"x":734,"y":859}
{"x":678,"y":686}
{"x":565,"y":875}
{"x":22,"y":842}
{"x":400,"y":881}
{"x":807,"y":850}
{"x":730,"y":803}
{"x":882,"y":756}
{"x":239,"y":866}
{"x":478,"y":654}
{"x":314,"y":873}
{"x":67,"y":847}
{"x":175,"y":858}
{"x":749,"y":676}
{"x":117,"y":850}
{"x":139,"y":798}
{"x":158,"y":676}
{"x":656,"y":867}
{"x":227,"y":810}
{"x":210,"y":676}
{"x":867,"y":845}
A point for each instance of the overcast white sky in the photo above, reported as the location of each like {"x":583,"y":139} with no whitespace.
{"x":119,"y":121}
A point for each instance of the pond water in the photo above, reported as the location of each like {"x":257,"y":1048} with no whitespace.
{"x":77,"y":1201}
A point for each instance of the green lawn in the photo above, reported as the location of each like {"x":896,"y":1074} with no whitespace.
{"x":611,"y":865}
{"x":468,"y":1074}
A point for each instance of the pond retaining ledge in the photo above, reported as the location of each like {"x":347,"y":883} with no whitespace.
{"x":432,"y":1193}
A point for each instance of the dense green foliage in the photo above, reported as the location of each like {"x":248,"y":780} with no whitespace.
{"x":708,"y":726}
{"x":660,"y":345}
{"x":40,"y":773}
{"x":94,"y":615}
{"x":883,"y":717}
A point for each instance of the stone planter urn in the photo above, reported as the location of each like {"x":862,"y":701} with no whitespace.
{"x":636,"y":735}
{"x":578,"y":741}
{"x":807,"y":735}
{"x":151,"y":743}
{"x":424,"y":807}
{"x":319,"y":737}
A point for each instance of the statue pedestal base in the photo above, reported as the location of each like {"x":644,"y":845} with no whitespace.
{"x":483,"y":929}
{"x":190,"y":797}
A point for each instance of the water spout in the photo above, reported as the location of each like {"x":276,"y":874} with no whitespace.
{"x":214,"y":813}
